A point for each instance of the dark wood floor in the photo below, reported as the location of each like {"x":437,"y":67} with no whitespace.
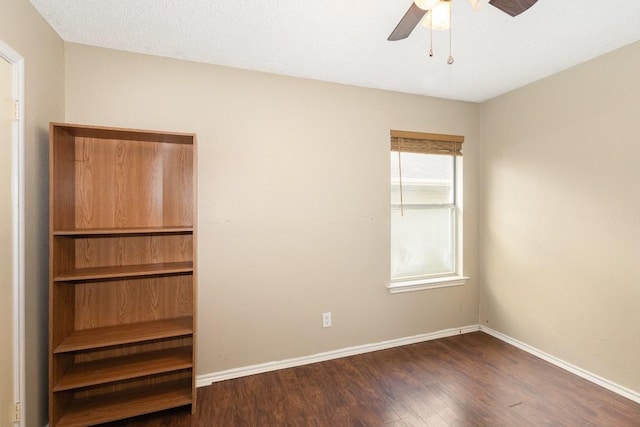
{"x":466,"y":380}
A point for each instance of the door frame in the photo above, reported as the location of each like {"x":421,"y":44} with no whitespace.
{"x":17,"y":191}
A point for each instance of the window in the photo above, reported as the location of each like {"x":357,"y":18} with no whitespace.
{"x":425,"y":211}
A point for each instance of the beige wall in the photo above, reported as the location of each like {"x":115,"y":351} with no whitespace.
{"x":22,"y":28}
{"x":293,"y":199}
{"x":293,"y":203}
{"x":560,"y":215}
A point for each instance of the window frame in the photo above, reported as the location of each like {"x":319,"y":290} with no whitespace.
{"x":437,"y":144}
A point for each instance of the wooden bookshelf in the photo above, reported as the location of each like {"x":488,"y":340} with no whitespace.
{"x":122,"y":289}
{"x":116,"y":406}
{"x":85,"y":339}
{"x":124,"y":271}
{"x":85,"y":374}
{"x":122,"y":231}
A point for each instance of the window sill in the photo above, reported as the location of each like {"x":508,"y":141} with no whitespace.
{"x":424,"y":284}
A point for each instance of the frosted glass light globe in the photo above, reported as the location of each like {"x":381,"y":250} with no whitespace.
{"x":425,"y":4}
{"x":439,"y":17}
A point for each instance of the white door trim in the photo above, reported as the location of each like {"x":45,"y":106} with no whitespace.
{"x":17,"y":192}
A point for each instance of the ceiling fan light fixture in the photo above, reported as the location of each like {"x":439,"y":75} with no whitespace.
{"x":426,"y":4}
{"x":438,"y":18}
{"x":478,"y":4}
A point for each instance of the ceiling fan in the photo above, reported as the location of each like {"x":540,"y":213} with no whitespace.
{"x":419,"y":8}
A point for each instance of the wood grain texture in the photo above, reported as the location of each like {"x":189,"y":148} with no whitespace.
{"x":64,"y":324}
{"x":122,"y":288}
{"x":466,"y":380}
{"x":171,"y":343}
{"x":178,"y":170}
{"x":132,"y":250}
{"x":61,"y":178}
{"x":93,"y":411}
{"x":122,"y":302}
{"x":61,"y":215}
{"x":118,"y":183}
{"x":66,"y":363}
{"x":81,"y":257}
{"x":123,"y":231}
{"x":124,"y":271}
{"x":194,"y":244}
{"x":123,"y":334}
{"x":140,"y":384}
{"x":125,"y":367}
{"x":105,"y":132}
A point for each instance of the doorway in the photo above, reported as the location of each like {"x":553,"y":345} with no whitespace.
{"x":11,"y":237}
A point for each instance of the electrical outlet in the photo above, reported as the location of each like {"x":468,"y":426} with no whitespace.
{"x":326,"y":319}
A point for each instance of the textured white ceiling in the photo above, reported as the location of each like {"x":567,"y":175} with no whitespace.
{"x":346,"y":41}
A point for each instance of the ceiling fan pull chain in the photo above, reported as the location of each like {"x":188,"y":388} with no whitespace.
{"x":430,"y":34}
{"x":450,"y":60}
{"x":400,"y":181}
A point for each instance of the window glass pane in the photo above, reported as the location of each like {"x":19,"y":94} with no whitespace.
{"x":422,"y":241}
{"x":426,"y":178}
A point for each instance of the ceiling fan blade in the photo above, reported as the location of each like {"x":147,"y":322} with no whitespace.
{"x":512,"y":7}
{"x":407,"y":23}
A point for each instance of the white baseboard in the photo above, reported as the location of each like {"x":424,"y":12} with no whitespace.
{"x":208,"y":379}
{"x":609,"y":385}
